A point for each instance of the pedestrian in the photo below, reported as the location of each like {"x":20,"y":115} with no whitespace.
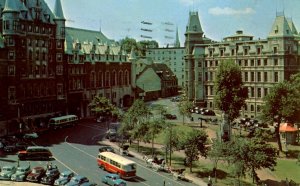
{"x":209,"y":181}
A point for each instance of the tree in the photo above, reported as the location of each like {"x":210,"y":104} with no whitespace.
{"x":217,"y":153}
{"x":230,"y":94}
{"x":184,"y":107}
{"x":194,"y":145}
{"x":249,"y":155}
{"x":135,"y":120}
{"x":154,"y":127}
{"x":145,"y":44}
{"x":103,"y":107}
{"x":282,"y":103}
{"x":140,"y":47}
{"x":172,"y":140}
{"x":128,"y":43}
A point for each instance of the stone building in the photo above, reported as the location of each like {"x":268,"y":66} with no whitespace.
{"x":264,"y":62}
{"x":173,"y":57}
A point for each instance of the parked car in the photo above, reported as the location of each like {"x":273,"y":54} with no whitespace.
{"x":88,"y":184}
{"x":77,"y":180}
{"x":64,"y":177}
{"x":111,"y":134}
{"x":35,"y":152}
{"x":21,"y":146}
{"x":32,"y":135}
{"x":106,"y":149}
{"x":7,"y":172}
{"x":21,"y":173}
{"x":51,"y":175}
{"x":170,"y":116}
{"x":113,"y":179}
{"x":10,"y":148}
{"x":175,"y":99}
{"x":208,"y":112}
{"x":36,"y":174}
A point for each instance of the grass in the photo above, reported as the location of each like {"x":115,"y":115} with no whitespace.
{"x":288,"y":168}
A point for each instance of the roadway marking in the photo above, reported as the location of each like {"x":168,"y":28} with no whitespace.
{"x":94,"y":157}
{"x":65,"y":165}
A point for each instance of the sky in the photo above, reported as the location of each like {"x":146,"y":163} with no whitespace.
{"x":118,"y":19}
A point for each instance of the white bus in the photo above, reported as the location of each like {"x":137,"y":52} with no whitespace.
{"x":117,"y":164}
{"x":61,"y":121}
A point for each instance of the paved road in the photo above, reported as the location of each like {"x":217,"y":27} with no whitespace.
{"x":76,"y":148}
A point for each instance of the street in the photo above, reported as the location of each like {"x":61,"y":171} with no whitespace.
{"x":76,"y":148}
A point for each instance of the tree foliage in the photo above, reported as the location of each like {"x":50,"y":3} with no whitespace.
{"x":103,"y":107}
{"x":184,"y":107}
{"x":140,"y":47}
{"x":230,"y":94}
{"x":194,"y":145}
{"x":282,"y":103}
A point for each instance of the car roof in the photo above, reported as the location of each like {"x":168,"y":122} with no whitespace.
{"x":79,"y":177}
{"x":8,"y":166}
{"x":66,"y":172}
{"x":38,"y":168}
{"x":112,"y":175}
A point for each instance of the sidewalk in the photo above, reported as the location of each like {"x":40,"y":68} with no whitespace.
{"x":188,"y":176}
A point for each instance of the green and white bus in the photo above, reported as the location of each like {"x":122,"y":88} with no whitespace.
{"x":62,"y":121}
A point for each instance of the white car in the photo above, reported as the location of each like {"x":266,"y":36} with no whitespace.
{"x":32,"y":135}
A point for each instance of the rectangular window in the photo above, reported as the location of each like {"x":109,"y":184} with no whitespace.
{"x":11,"y":70}
{"x":12,"y":93}
{"x":265,"y":76}
{"x":11,"y":55}
{"x":265,"y":62}
{"x":276,"y":77}
{"x":252,"y":76}
{"x":59,"y":57}
{"x":258,"y":51}
{"x":60,"y":90}
{"x":275,"y":62}
{"x":265,"y":91}
{"x":252,"y":92}
{"x":246,"y":62}
{"x":246,"y":51}
{"x":275,"y":50}
{"x":232,"y":52}
{"x":258,"y":76}
{"x":258,"y":62}
{"x":58,"y":44}
{"x":59,"y":69}
{"x":246,"y":76}
{"x":252,"y":108}
{"x":252,"y":62}
{"x":221,"y":52}
{"x":259,"y":92}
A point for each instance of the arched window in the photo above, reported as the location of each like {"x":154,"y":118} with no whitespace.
{"x":107,"y":79}
{"x":100,"y":79}
{"x":126,"y":78}
{"x":92,"y":80}
{"x":120,"y":78}
{"x":114,"y":78}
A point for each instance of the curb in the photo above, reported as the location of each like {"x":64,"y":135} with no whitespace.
{"x":189,"y":177}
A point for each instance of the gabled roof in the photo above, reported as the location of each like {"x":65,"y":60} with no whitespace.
{"x":194,"y":23}
{"x":162,"y":71}
{"x":292,"y":26}
{"x":281,"y":27}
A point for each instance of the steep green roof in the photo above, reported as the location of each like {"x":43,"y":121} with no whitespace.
{"x":281,"y":27}
{"x":194,"y":23}
{"x":11,"y":6}
{"x":58,"y":12}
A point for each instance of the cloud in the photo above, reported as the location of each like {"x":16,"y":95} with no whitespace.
{"x":230,"y":11}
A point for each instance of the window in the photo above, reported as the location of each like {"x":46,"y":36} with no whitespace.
{"x":232,"y":52}
{"x":240,"y":62}
{"x":126,"y":77}
{"x":275,"y":76}
{"x":15,"y":25}
{"x":92,"y":80}
{"x":107,"y":79}
{"x":58,"y":44}
{"x":210,"y":53}
{"x":252,"y":92}
{"x":11,"y":70}
{"x":59,"y":69}
{"x":120,"y":78}
{"x":252,"y":62}
{"x":60,"y":89}
{"x":258,"y":62}
{"x":221,"y":52}
{"x":100,"y":79}
{"x":258,"y":108}
{"x":265,"y":76}
{"x":258,"y":51}
{"x":246,"y":76}
{"x":265,"y":62}
{"x":252,"y":108}
{"x":59,"y":57}
{"x":275,"y":62}
{"x":114,"y":78}
{"x":259,"y":76}
{"x":11,"y":55}
{"x":252,"y":76}
{"x":259,"y":92}
{"x":246,"y":51}
{"x":37,"y":55}
{"x":12,"y":93}
{"x":246,"y":62}
{"x":10,"y":41}
{"x":275,"y":50}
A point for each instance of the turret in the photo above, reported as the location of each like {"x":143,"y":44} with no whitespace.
{"x":132,"y":59}
{"x":10,"y":16}
{"x":177,"y":42}
{"x":59,"y":20}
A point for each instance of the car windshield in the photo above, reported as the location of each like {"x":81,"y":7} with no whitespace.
{"x":64,"y":175}
{"x":21,"y":170}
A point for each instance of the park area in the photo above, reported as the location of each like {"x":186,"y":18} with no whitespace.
{"x":286,"y":170}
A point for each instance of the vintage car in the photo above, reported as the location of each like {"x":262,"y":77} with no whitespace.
{"x":51,"y":175}
{"x":77,"y":180}
{"x":21,"y":173}
{"x":64,"y":177}
{"x":36,"y":174}
{"x":7,"y":172}
{"x":113,"y":179}
{"x":106,"y":149}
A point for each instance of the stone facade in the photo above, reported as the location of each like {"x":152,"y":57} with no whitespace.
{"x":264,"y":62}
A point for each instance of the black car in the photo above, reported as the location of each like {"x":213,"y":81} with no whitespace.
{"x":170,"y":116}
{"x":52,"y":174}
{"x":106,"y":149}
{"x":208,"y":113}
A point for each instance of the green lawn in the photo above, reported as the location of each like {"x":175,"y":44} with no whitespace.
{"x":287,"y":168}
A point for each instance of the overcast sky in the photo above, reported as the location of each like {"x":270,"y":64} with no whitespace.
{"x":219,"y":18}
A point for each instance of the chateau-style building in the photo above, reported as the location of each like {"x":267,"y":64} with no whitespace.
{"x":264,"y":62}
{"x":47,"y":69}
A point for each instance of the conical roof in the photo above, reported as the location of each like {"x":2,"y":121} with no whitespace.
{"x":292,"y":26}
{"x":58,"y":11}
{"x":194,"y":23}
{"x":177,"y":42}
{"x":10,"y":6}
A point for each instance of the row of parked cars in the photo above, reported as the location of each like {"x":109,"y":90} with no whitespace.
{"x":48,"y":176}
